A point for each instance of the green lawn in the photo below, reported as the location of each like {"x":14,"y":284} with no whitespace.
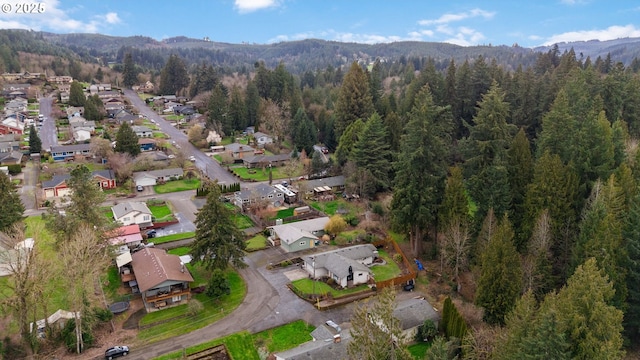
{"x":418,"y":350}
{"x":214,"y":310}
{"x":173,"y":237}
{"x":160,"y":135}
{"x":348,"y":237}
{"x":284,"y":213}
{"x":244,"y":346}
{"x":259,"y":174}
{"x":330,"y":207}
{"x":177,"y":185}
{"x":242,"y":221}
{"x":199,"y":273}
{"x":161,"y":213}
{"x":388,"y":271}
{"x":256,"y":243}
{"x":306,"y":286}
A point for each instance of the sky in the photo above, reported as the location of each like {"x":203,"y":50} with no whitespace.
{"x":466,"y":23}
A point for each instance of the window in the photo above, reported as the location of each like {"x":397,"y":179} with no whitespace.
{"x":302,"y":243}
{"x":146,"y":218}
{"x":270,"y":196}
{"x":279,"y":194}
{"x":176,"y":298}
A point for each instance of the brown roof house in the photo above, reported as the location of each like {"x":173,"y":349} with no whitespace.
{"x":162,"y":279}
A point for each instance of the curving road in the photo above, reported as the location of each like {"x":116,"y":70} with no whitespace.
{"x":209,"y":166}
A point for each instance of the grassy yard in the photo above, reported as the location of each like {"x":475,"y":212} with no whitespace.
{"x":256,"y":243}
{"x":161,"y":213}
{"x":214,"y":310}
{"x":173,"y":237}
{"x":306,"y":286}
{"x":160,"y":135}
{"x":348,"y":237}
{"x":330,"y":207}
{"x":388,"y":271}
{"x":177,"y":185}
{"x":258,"y":174}
{"x":242,"y":221}
{"x":418,"y":350}
{"x":284,"y":213}
{"x":243,"y":345}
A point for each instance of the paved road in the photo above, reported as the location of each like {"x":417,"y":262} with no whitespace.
{"x":29,"y":185}
{"x":208,"y":165}
{"x":47,"y":133}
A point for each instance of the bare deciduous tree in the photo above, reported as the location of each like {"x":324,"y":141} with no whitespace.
{"x":101,"y":148}
{"x":122,"y":165}
{"x":274,"y":119}
{"x":538,"y":253}
{"x":85,"y":257}
{"x":455,"y":248}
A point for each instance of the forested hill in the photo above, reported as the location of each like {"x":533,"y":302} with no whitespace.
{"x":298,"y":56}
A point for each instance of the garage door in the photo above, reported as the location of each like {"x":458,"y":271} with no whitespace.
{"x":64,"y":192}
{"x":48,"y":193}
{"x":145,"y":182}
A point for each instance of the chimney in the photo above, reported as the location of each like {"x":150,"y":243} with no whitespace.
{"x":181,"y":266}
{"x":336,"y":338}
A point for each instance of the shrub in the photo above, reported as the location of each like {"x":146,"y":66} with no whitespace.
{"x":218,"y":285}
{"x":15,"y":169}
{"x":352,"y":220}
{"x":397,"y":258}
{"x":102,"y":314}
{"x":377,"y":209}
{"x":426,"y":331}
{"x":195,"y":307}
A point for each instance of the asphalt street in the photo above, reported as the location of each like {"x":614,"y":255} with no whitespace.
{"x":48,"y":134}
{"x":206,"y":164}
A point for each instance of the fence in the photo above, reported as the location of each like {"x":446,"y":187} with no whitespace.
{"x":410,"y":273}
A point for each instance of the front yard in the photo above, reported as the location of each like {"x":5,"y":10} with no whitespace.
{"x":306,"y":286}
{"x":177,"y":185}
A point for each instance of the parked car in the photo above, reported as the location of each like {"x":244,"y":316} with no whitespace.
{"x":151,"y":234}
{"x":325,"y":150}
{"x":115,"y":352}
{"x":171,"y":156}
{"x":192,"y":158}
{"x":335,"y":326}
{"x":139,"y":188}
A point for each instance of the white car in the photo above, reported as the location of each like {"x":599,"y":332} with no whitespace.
{"x":171,"y":156}
{"x":192,"y":158}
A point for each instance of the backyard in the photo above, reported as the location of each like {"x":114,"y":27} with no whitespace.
{"x":307,"y":287}
{"x":258,"y":174}
{"x":335,"y":206}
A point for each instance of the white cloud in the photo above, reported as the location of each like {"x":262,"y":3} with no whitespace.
{"x":332,"y":35}
{"x":610,"y":33}
{"x":449,"y":18}
{"x":55,"y":19}
{"x":246,"y":6}
{"x":466,"y":37}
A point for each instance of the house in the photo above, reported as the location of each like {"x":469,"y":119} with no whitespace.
{"x":70,"y":152}
{"x":170,"y":105}
{"x":325,"y":345}
{"x":11,"y":125}
{"x":346,"y":266}
{"x":334,"y":184}
{"x":290,"y":196}
{"x":412,"y":313}
{"x":162,"y":279}
{"x":81,"y":134}
{"x":132,"y":212}
{"x":183,"y":110}
{"x":8,"y":143}
{"x":12,"y":258}
{"x":262,"y":139}
{"x":142,"y":131}
{"x":146,"y":144}
{"x":75,"y":111}
{"x":57,"y":320}
{"x":258,"y":161}
{"x":150,"y":178}
{"x":11,"y":158}
{"x":299,"y":235}
{"x":128,"y":235}
{"x":57,"y":186}
{"x":64,"y":97}
{"x":108,"y":94}
{"x":104,"y":87}
{"x":260,"y":193}
{"x":146,"y":87}
{"x":63,"y":79}
{"x":239,"y":151}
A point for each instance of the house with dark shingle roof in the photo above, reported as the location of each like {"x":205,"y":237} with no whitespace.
{"x":161,"y":278}
{"x":259,"y":193}
{"x":299,"y":235}
{"x":57,"y":186}
{"x":412,"y":313}
{"x":132,"y":212}
{"x":257,"y":161}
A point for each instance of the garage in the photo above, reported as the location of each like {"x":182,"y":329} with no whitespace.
{"x":64,"y":192}
{"x":145,"y":179}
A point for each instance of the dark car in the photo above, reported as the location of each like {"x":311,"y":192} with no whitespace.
{"x":151,"y":234}
{"x":115,"y":352}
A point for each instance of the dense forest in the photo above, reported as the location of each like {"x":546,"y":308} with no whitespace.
{"x":524,"y":172}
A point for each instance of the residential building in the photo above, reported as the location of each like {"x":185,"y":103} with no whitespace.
{"x":299,"y":235}
{"x":326,"y":344}
{"x":262,"y":139}
{"x":57,"y":321}
{"x":259,"y":161}
{"x":412,"y":313}
{"x":142,"y":131}
{"x":8,"y":143}
{"x":132,"y":212}
{"x":71,"y":152}
{"x":63,"y":79}
{"x":334,"y":184}
{"x":239,"y":151}
{"x":346,"y":266}
{"x":150,"y":178}
{"x":128,"y":235}
{"x":162,"y":279}
{"x":11,"y":158}
{"x":11,"y":125}
{"x":57,"y":186}
{"x":146,"y":144}
{"x":259,"y":193}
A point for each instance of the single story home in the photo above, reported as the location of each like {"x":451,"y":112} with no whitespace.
{"x":70,"y":152}
{"x":412,"y":313}
{"x":325,"y":345}
{"x":259,"y":193}
{"x":150,"y":178}
{"x":328,"y":184}
{"x":262,"y":139}
{"x":57,"y":320}
{"x":11,"y":158}
{"x":142,"y":131}
{"x":299,"y":235}
{"x":239,"y":151}
{"x":162,"y":279}
{"x":132,"y":212}
{"x":146,"y":144}
{"x":346,"y":266}
{"x":258,"y":161}
{"x":57,"y":186}
{"x":125,"y":235}
{"x":81,"y":134}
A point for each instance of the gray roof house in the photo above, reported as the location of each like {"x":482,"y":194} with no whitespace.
{"x":346,"y":266}
{"x":149,"y":178}
{"x":260,"y":192}
{"x":412,"y":313}
{"x":256,"y":161}
{"x":142,"y":131}
{"x":239,"y":151}
{"x":262,"y":138}
{"x":299,"y":235}
{"x":335,"y":183}
{"x":320,"y":348}
{"x":132,"y":212}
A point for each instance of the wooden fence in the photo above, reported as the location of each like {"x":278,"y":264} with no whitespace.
{"x":408,"y":274}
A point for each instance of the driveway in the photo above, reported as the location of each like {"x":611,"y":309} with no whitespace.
{"x":48,"y":134}
{"x":203,"y":162}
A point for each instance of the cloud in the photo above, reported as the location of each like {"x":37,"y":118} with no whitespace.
{"x":466,"y":37}
{"x":247,"y":6}
{"x":332,"y":35}
{"x":610,"y":33}
{"x":449,"y":18}
{"x":56,"y":19}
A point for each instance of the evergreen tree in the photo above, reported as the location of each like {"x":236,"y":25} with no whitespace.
{"x":173,"y":76}
{"x":237,"y":113}
{"x":130,"y":77}
{"x":205,"y":79}
{"x":421,"y":168}
{"x":127,"y":140}
{"x":371,"y":153}
{"x":631,"y":233}
{"x":348,"y":140}
{"x":455,"y":205}
{"x":520,"y":168}
{"x":12,"y":208}
{"x":354,"y":100}
{"x":86,"y":194}
{"x":584,"y":313}
{"x":76,"y":94}
{"x":303,"y":132}
{"x":252,"y":103}
{"x":486,"y":156}
{"x":218,"y":240}
{"x":35,"y":144}
{"x":500,"y":280}
{"x":218,"y":111}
